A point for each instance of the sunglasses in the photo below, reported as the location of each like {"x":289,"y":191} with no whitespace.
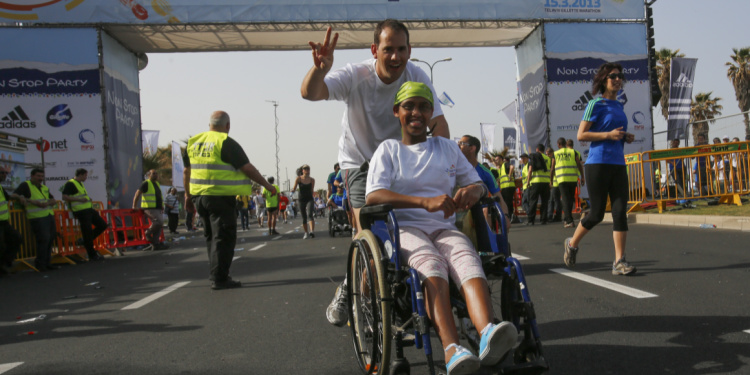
{"x":616,"y":75}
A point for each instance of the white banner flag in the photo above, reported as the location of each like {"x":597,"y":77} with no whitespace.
{"x":446,"y":100}
{"x":488,"y":136}
{"x":177,"y":166}
{"x":150,"y":139}
{"x":511,"y":112}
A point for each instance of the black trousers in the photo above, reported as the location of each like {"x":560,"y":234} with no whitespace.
{"x":536,"y":191}
{"x":10,"y":243}
{"x":568,"y":195}
{"x":508,"y":195}
{"x":172,"y":218}
{"x":45,"y":234}
{"x":92,"y":226}
{"x":554,"y":208}
{"x":219,"y":215}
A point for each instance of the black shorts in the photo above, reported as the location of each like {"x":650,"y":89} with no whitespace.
{"x":271,"y":210}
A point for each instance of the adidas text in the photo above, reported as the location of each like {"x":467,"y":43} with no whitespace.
{"x":17,"y":124}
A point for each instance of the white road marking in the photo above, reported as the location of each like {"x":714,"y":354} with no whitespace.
{"x":276,"y":238}
{"x":155,"y":296}
{"x":258,"y":247}
{"x":520,"y":257}
{"x":604,"y":284}
{"x":235,"y":258}
{"x":746,"y":331}
{"x":291,"y":231}
{"x":240,"y":249}
{"x":9,"y":366}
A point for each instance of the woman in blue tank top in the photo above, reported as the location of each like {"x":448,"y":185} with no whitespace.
{"x":605,"y":125}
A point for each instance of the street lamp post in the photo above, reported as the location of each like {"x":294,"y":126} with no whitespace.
{"x":276,"y":127}
{"x":431,"y":65}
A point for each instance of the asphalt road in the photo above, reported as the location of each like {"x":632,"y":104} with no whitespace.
{"x":154,"y":313}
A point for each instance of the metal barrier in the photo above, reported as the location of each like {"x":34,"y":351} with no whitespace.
{"x":706,"y":171}
{"x":125,"y":228}
{"x":636,"y":182}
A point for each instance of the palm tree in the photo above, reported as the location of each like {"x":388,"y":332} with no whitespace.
{"x":663,"y":66}
{"x":161,"y":161}
{"x":739,"y":74}
{"x":704,"y":107}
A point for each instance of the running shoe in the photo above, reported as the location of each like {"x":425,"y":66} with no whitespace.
{"x":462,"y":362}
{"x":569,"y":225}
{"x":570,"y":254}
{"x":622,"y":267}
{"x":312,"y":234}
{"x":336,"y":311}
{"x":497,"y":341}
{"x":305,"y":236}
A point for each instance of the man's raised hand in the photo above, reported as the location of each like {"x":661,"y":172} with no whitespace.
{"x":323,"y":53}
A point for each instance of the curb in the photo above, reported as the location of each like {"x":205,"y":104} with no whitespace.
{"x":741,"y":223}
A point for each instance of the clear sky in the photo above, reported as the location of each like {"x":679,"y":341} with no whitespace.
{"x":179,"y":91}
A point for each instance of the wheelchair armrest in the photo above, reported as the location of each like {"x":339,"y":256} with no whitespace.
{"x":369,"y":214}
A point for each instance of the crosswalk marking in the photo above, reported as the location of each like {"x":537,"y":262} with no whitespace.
{"x":155,"y":296}
{"x":9,"y":366}
{"x":604,"y":284}
{"x":258,"y":247}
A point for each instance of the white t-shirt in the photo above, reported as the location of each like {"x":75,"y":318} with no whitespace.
{"x":368,"y":119}
{"x":427,"y":169}
{"x":260,"y":203}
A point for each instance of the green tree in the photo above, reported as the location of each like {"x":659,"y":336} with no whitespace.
{"x":161,"y":161}
{"x":738,"y":72}
{"x":663,"y":66}
{"x":704,"y":107}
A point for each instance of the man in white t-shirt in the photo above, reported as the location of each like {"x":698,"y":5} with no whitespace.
{"x":368,"y":89}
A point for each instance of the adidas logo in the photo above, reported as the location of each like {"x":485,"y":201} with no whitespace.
{"x":581,"y":103}
{"x":17,"y":119}
{"x":682,"y":81}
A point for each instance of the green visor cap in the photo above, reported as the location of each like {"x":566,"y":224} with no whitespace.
{"x":413,"y":89}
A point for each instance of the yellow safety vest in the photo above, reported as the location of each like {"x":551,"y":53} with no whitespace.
{"x":34,"y":212}
{"x":78,"y":206}
{"x":525,"y":175}
{"x":209,"y":175}
{"x":541,"y":176}
{"x":566,"y":168}
{"x":272,"y":201}
{"x":148,"y":199}
{"x":4,"y":212}
{"x":506,"y":181}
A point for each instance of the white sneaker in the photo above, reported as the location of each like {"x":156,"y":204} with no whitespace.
{"x":305,"y":236}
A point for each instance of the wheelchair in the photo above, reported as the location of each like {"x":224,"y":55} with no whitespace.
{"x":338,"y":221}
{"x":386,"y":304}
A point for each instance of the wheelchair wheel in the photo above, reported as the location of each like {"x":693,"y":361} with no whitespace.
{"x":331,"y":232}
{"x":369,"y":305}
{"x":516,"y":311}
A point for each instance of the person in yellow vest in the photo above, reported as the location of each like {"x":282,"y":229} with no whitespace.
{"x":554,"y":206}
{"x":272,"y":205}
{"x":243,"y":204}
{"x":39,"y":203}
{"x":10,"y":239}
{"x":216,"y":171}
{"x":538,"y":185}
{"x":566,"y":167}
{"x":152,"y":205}
{"x":79,"y":202}
{"x":524,"y":181}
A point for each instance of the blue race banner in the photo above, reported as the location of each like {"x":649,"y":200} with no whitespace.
{"x":124,"y":159}
{"x":24,"y":81}
{"x":583,"y":69}
{"x":681,"y":78}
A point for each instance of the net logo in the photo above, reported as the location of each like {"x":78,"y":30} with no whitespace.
{"x":581,"y":103}
{"x":682,"y":81}
{"x":17,"y":119}
{"x":54,"y":146}
{"x":59,"y":115}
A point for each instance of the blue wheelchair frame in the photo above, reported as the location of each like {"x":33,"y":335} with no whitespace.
{"x":404,"y":294}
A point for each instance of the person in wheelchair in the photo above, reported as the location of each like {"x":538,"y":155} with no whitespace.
{"x":416,"y":176}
